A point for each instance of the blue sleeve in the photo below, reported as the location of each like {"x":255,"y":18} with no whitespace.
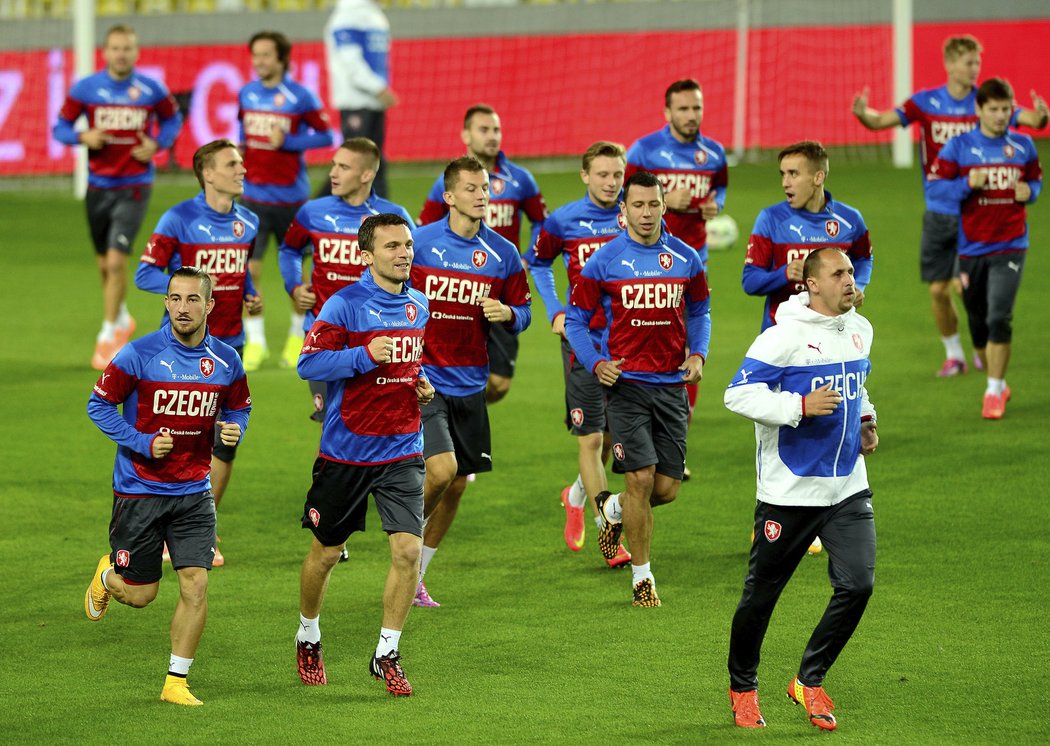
{"x":760,"y":281}
{"x":307,"y":140}
{"x":63,"y":132}
{"x":698,"y":323}
{"x":249,"y":286}
{"x":577,"y":331}
{"x":949,"y":190}
{"x":1037,"y":188}
{"x":543,"y":278}
{"x":522,"y":315}
{"x":332,"y":365}
{"x":108,"y":420}
{"x":290,"y":261}
{"x":169,"y":130}
{"x":862,"y":272}
{"x":151,"y":278}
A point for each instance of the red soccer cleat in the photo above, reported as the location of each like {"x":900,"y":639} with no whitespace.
{"x":388,"y":669}
{"x":574,"y":528}
{"x":745,"y":709}
{"x":817,"y":703}
{"x":310,"y":662}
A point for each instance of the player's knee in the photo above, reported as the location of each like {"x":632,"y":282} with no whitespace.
{"x":193,"y":585}
{"x":640,"y":482}
{"x":441,"y":470}
{"x":405,"y":551}
{"x":1000,"y":329}
{"x":139,"y":596}
{"x":940,"y":290}
{"x":497,"y":388}
{"x":590,"y":444}
{"x":115,"y":262}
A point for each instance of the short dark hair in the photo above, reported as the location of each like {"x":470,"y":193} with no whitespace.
{"x":120,"y":28}
{"x":686,"y":84}
{"x":362,"y":146}
{"x":603,"y":149}
{"x":366,"y":234}
{"x":642,"y":179}
{"x":205,"y":157}
{"x":814,"y":261}
{"x":280,"y":41}
{"x":476,"y":109}
{"x":467,"y":163}
{"x":994,"y":89}
{"x":811,"y":150}
{"x":195,"y":273}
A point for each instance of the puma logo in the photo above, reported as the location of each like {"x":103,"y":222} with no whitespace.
{"x":377,"y":314}
{"x":205,"y":229}
{"x":630,"y":264}
{"x":815,"y":347}
{"x":589,"y":225}
{"x":168,"y":366}
{"x":334,"y":221}
{"x":798,"y":229}
{"x":440,"y":252}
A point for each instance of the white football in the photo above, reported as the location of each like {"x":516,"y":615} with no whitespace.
{"x":722,"y":233}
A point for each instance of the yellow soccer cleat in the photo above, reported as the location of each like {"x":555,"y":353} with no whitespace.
{"x":177,"y":691}
{"x":96,"y":599}
{"x":816,"y":547}
{"x":645,"y":594}
{"x":253,"y":356}
{"x":292,"y":348}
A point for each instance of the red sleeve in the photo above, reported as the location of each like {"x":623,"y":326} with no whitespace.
{"x":1033,"y":171}
{"x":325,"y":336}
{"x":114,"y":385}
{"x":536,"y":209}
{"x":586,"y":293}
{"x":318,"y":120}
{"x":238,"y":396}
{"x":515,"y":290}
{"x":159,"y":250}
{"x":432,"y":212}
{"x":548,"y":246}
{"x":912,"y":112}
{"x":697,"y":287}
{"x":759,"y":252}
{"x":167,"y":107}
{"x":861,"y":248}
{"x":297,"y":236}
{"x":71,"y":109}
{"x":944,"y":169}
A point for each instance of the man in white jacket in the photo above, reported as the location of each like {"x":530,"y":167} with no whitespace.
{"x":802,"y":383}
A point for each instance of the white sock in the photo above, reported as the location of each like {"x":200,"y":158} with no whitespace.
{"x":255,"y":330}
{"x":598,"y":521}
{"x":577,"y":494}
{"x":995,"y":386}
{"x":108,"y":331}
{"x":309,"y":630}
{"x":179,"y":666}
{"x":612,"y":508}
{"x":428,"y":554}
{"x":296,"y":328}
{"x":640,"y":573}
{"x":389,"y":639}
{"x":106,"y":572}
{"x":953,"y":348}
{"x":123,"y":317}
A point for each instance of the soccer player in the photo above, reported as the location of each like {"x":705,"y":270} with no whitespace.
{"x":330,"y":225}
{"x":512,"y":191}
{"x":367,"y":343}
{"x":121,"y":106}
{"x":992,"y":174}
{"x":653,"y":291}
{"x":690,"y":166}
{"x":214,"y":233}
{"x":941,"y":114}
{"x":175,"y":386}
{"x":280,"y":120}
{"x":357,"y":51}
{"x":474,"y":280}
{"x":573,"y":233}
{"x":802,"y":383}
{"x":785,"y":233}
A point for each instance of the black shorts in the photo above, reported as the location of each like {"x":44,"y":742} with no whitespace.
{"x":503,"y":351}
{"x":584,"y":396}
{"x":337,"y":502}
{"x":220,"y":450}
{"x":990,"y":285}
{"x":115,"y":215}
{"x":648,"y":425}
{"x":141,"y":525}
{"x":938,"y":259}
{"x":273,"y":221}
{"x":460,"y":425}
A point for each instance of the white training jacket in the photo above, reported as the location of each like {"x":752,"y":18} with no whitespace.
{"x":807,"y":461}
{"x":357,"y":46}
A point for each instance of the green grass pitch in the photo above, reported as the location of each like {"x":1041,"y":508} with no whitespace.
{"x":535,"y":644}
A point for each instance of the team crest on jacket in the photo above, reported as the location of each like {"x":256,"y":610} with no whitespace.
{"x":315,"y":517}
{"x":577,"y":416}
{"x":618,"y":451}
{"x":858,"y":342}
{"x":410,"y":311}
{"x":278,"y":100}
{"x":480,"y":258}
{"x":238,"y":228}
{"x":700,"y":156}
{"x":621,"y":221}
{"x":123,"y":558}
{"x":831,"y":227}
{"x":666,"y":260}
{"x":497,"y":186}
{"x":134,"y":93}
{"x":772,"y":531}
{"x":207,"y":366}
{"x":1008,"y":150}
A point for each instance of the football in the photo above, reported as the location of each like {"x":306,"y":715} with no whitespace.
{"x":722,"y":233}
